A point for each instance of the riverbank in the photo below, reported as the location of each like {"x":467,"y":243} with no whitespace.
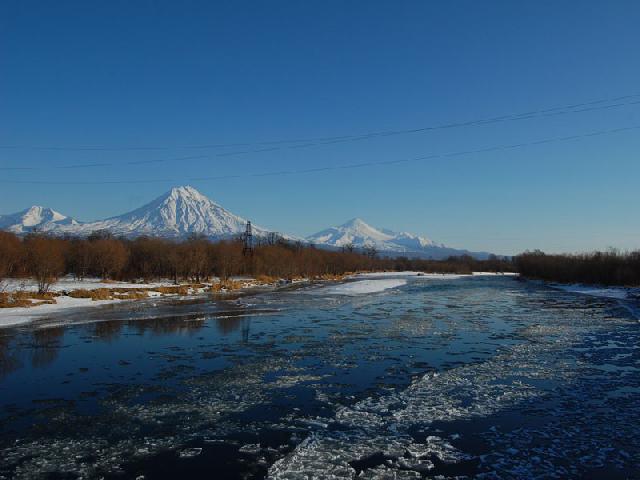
{"x":627,"y":297}
{"x":592,"y":290}
{"x":71,"y":294}
{"x":23,"y":303}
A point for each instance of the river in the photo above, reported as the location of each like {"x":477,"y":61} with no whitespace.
{"x":392,"y":377}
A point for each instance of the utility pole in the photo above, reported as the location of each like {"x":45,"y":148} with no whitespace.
{"x":247,"y":247}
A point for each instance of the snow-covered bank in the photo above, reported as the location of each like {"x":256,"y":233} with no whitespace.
{"x":68,"y":283}
{"x":69,"y":294}
{"x":20,"y":315}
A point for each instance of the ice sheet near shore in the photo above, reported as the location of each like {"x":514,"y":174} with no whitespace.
{"x":361,"y":287}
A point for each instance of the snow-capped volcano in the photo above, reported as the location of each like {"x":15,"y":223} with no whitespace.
{"x":35,"y":218}
{"x":359,"y":234}
{"x":179,"y":212}
{"x":183,"y":211}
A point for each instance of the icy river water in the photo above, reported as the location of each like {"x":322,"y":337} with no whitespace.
{"x":432,"y":377}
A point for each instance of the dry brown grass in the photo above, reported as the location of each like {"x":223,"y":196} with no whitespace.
{"x":173,"y":290}
{"x":97,"y":294}
{"x":35,"y":295}
{"x":227,"y":285}
{"x":80,"y":293}
{"x":25,"y":299}
{"x":266,"y":279}
{"x":331,"y":277}
{"x":133,"y":295}
{"x":28,"y":299}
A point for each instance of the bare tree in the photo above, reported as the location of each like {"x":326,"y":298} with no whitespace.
{"x":348,"y":248}
{"x":108,"y":257}
{"x":10,"y":254}
{"x":45,"y":260}
{"x":370,"y":251}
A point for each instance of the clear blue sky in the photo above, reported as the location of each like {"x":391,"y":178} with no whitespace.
{"x":174,"y":74}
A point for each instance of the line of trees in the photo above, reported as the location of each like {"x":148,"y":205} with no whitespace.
{"x":197,"y":259}
{"x":607,"y":268}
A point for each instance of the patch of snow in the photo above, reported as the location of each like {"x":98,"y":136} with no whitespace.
{"x":361,"y":287}
{"x":492,"y":274}
{"x":408,"y":274}
{"x":18,"y":315}
{"x":68,"y":283}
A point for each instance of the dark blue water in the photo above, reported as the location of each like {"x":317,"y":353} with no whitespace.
{"x":485,"y":377}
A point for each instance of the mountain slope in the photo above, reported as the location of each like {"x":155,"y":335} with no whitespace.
{"x":358,"y":233}
{"x":184,"y":211}
{"x":180,"y":212}
{"x":35,"y":218}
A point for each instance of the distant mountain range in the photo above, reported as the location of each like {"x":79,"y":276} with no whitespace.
{"x":357,"y":233}
{"x":180,"y":212}
{"x":183,"y":211}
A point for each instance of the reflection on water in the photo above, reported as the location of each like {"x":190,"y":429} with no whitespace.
{"x":8,"y":360}
{"x":43,"y":344}
{"x":439,"y":377}
{"x":46,"y":344}
{"x":107,"y":331}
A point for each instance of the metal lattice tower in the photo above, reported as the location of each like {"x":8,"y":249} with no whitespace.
{"x":247,"y":248}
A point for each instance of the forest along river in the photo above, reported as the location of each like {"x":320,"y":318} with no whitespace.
{"x":408,"y":376}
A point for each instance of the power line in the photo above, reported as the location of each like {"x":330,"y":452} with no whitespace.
{"x":497,"y":148}
{"x":267,"y":146}
{"x":105,"y":164}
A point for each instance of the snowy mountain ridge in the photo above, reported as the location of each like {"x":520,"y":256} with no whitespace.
{"x":184,"y":211}
{"x":35,"y":218}
{"x":357,"y":233}
{"x":180,"y":212}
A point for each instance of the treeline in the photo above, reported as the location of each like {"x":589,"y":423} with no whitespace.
{"x":463,"y":264}
{"x":607,"y":268}
{"x":197,"y":259}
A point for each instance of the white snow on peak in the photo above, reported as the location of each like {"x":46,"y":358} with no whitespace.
{"x":360,"y":234}
{"x":179,"y":212}
{"x":35,"y":218}
{"x":184,"y":211}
